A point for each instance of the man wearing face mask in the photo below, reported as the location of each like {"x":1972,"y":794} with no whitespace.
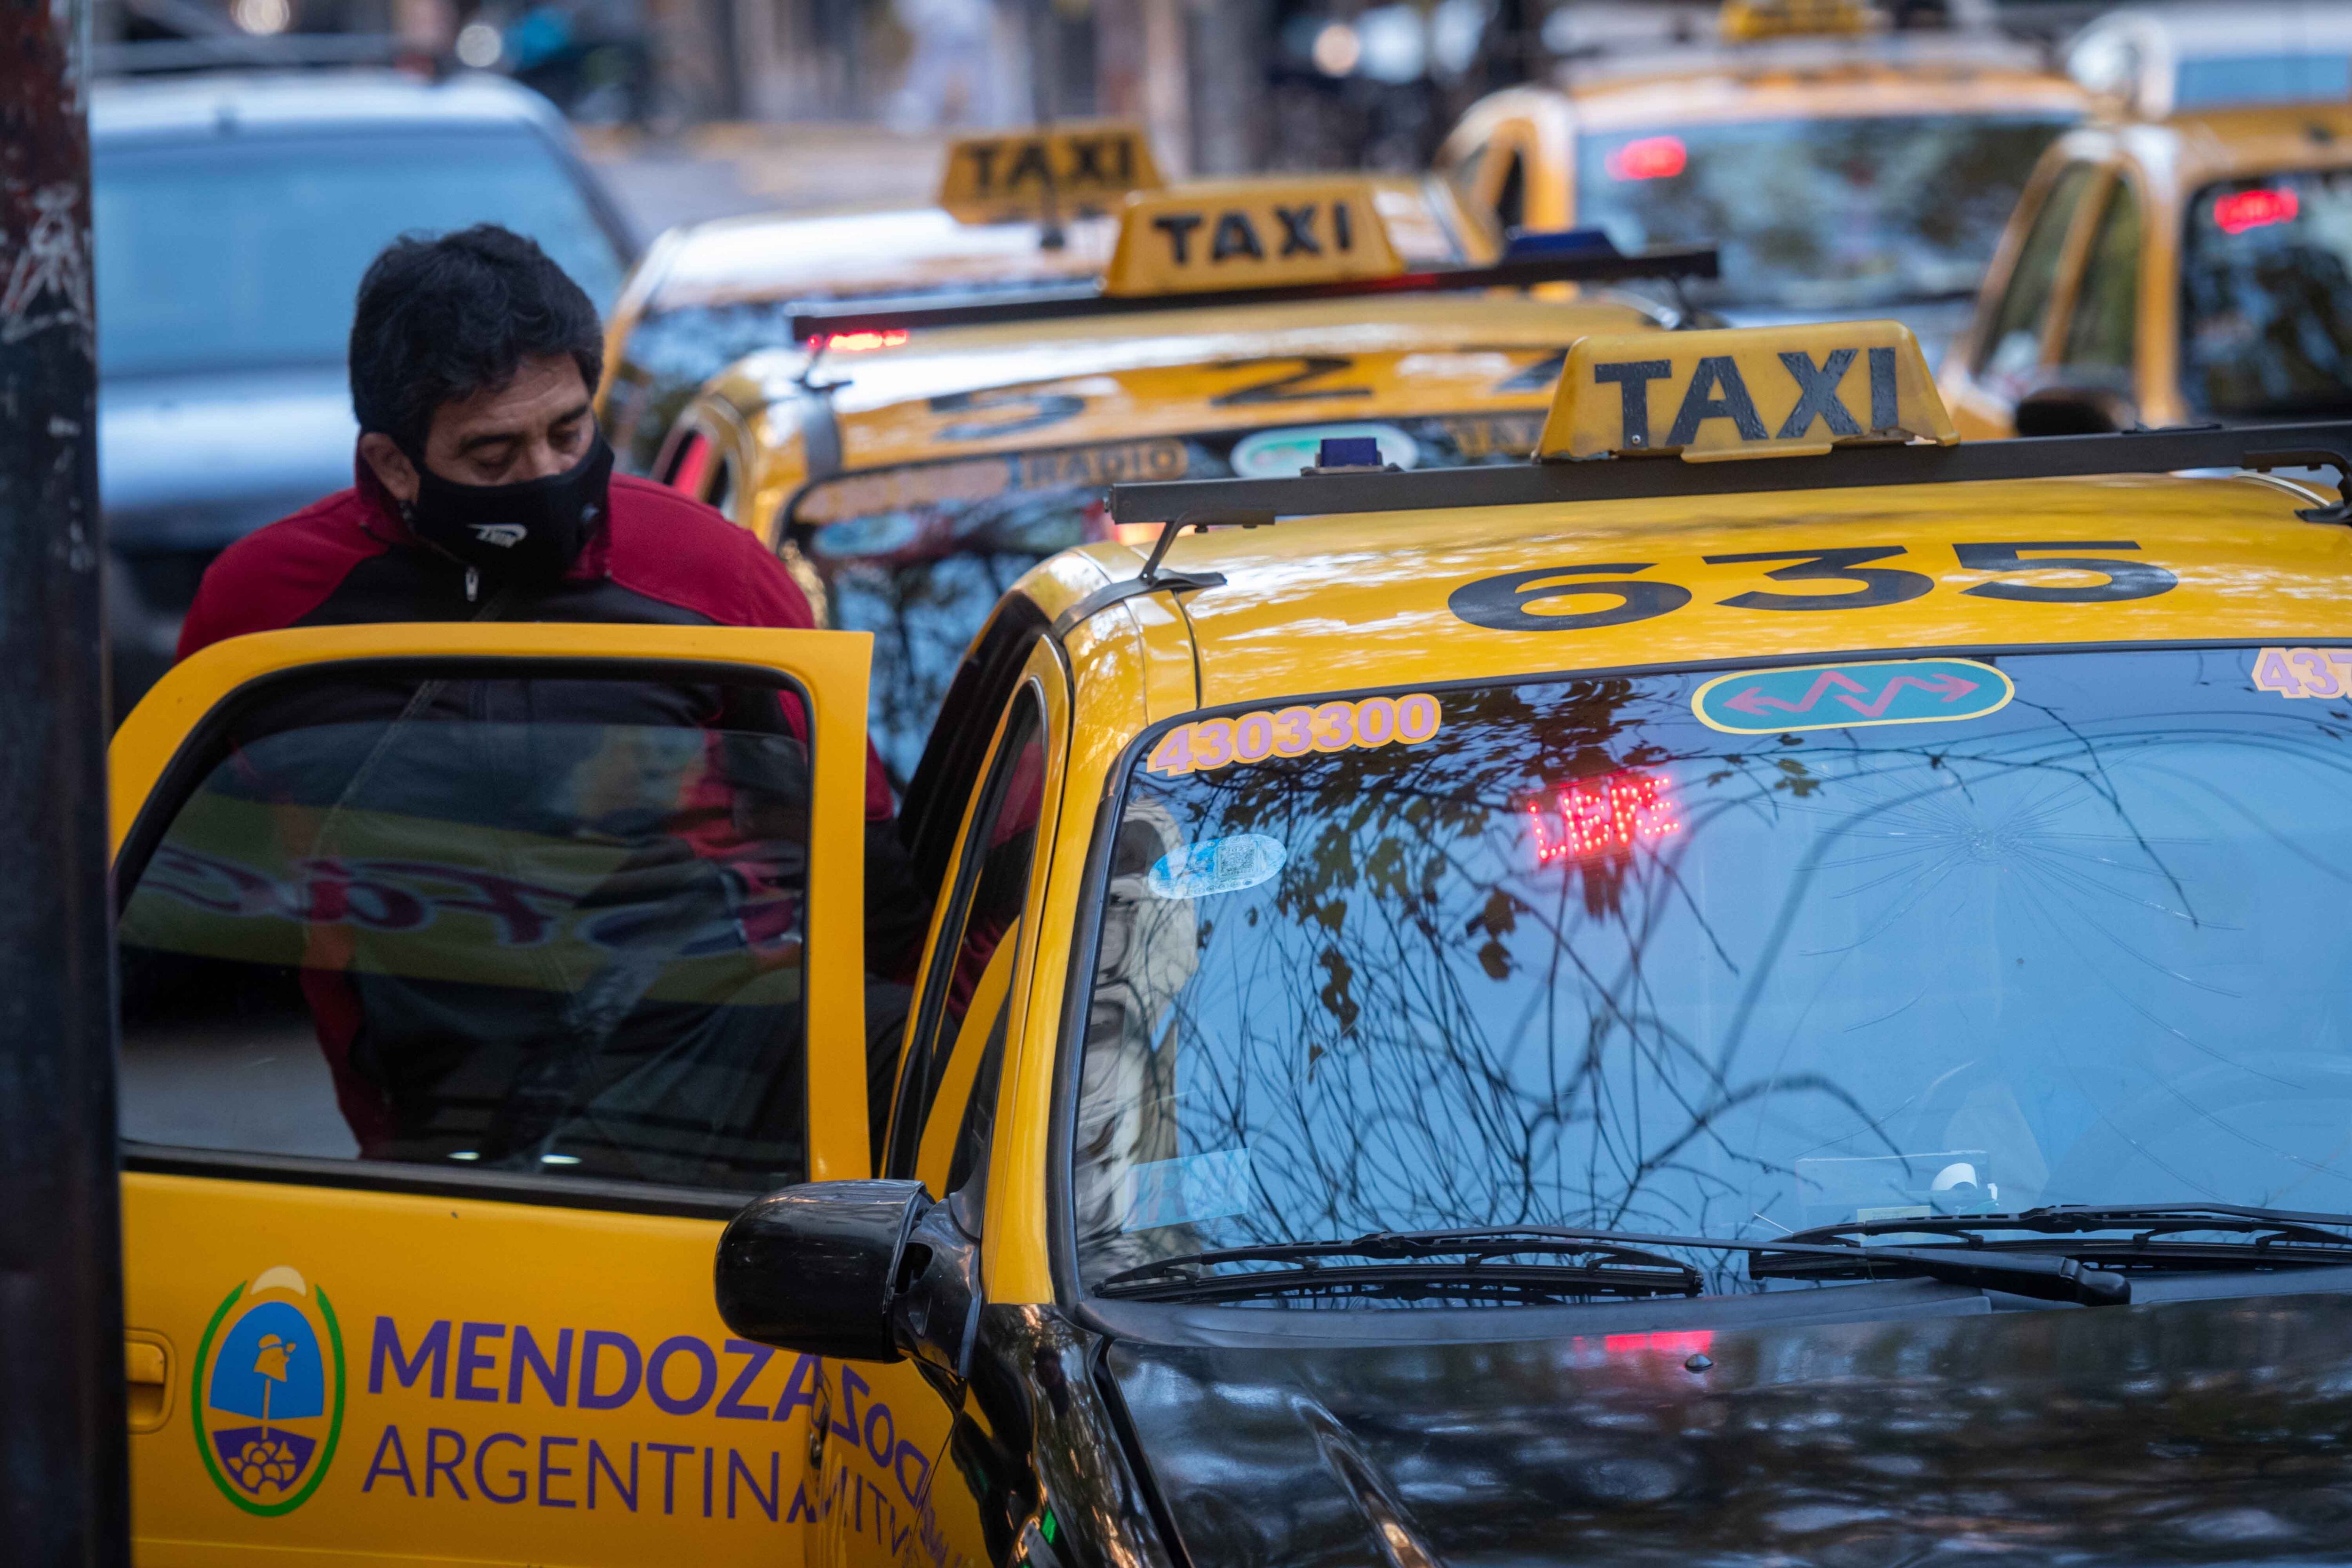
{"x":485,"y":491}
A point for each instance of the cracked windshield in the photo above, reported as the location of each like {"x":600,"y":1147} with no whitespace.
{"x":1734,"y":954}
{"x":1818,"y":214}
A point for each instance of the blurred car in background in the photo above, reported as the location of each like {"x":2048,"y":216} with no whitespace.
{"x":233,"y":218}
{"x":2150,"y":62}
{"x":1017,"y":209}
{"x":2194,"y":266}
{"x":1844,"y":172}
{"x":708,"y":293}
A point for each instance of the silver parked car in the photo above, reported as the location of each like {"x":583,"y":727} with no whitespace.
{"x":233,"y":216}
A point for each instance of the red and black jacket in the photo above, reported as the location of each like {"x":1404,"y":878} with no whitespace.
{"x":660,"y":559}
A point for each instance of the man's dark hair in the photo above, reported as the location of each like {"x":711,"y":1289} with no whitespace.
{"x":440,"y":320}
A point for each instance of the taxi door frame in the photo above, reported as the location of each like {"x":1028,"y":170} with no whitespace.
{"x":165,"y":733}
{"x":167,"y":737}
{"x":840,"y":1533}
{"x":1046,"y":671}
{"x":1981,"y":412}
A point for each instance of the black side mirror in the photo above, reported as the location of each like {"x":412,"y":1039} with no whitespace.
{"x":868,"y":1270}
{"x":2069,"y":408}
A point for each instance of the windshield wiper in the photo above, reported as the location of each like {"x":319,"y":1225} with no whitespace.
{"x":2044,"y":1276}
{"x":1434,"y":1265}
{"x":2277,"y":1238}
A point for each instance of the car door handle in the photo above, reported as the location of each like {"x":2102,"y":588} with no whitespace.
{"x":147,"y":1373}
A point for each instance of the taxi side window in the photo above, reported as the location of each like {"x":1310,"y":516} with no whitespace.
{"x":1511,"y":195}
{"x":1463,"y":176}
{"x":2013,"y":345}
{"x":2099,"y":334}
{"x":967,"y":997}
{"x":719,"y":488}
{"x":540,"y":928}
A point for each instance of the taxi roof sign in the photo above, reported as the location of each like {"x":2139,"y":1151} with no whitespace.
{"x":1067,"y":170}
{"x":1744,"y":392}
{"x":1254,"y":234}
{"x":1742,"y":21}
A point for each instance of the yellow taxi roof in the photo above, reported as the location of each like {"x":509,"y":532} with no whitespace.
{"x":1141,"y":376}
{"x":1856,"y":88}
{"x":2221,"y":145}
{"x":1341,"y":602}
{"x":764,"y":258}
{"x":772,"y":257}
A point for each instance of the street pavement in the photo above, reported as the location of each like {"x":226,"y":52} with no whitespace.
{"x":722,"y":170}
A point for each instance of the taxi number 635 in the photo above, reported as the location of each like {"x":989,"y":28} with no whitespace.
{"x":1538,"y":600}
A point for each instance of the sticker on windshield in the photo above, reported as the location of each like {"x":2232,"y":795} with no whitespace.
{"x":1195,"y":1187}
{"x":1848,"y":696}
{"x":1211,"y":744}
{"x":1281,"y":454}
{"x":2305,"y":671}
{"x":1218,"y":866}
{"x":1896,"y":1186}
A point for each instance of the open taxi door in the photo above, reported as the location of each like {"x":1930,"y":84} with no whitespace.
{"x":473,"y":976}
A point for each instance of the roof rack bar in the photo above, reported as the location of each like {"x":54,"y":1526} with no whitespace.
{"x":1849,"y":468}
{"x":1055,"y":304}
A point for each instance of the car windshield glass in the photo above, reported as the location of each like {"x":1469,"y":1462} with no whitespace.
{"x":2266,"y":296}
{"x":2287,"y":78}
{"x":668,"y":356}
{"x":920,"y":554}
{"x":1818,"y":215}
{"x":1625,"y":952}
{"x":549,"y":927}
{"x":247,"y":250}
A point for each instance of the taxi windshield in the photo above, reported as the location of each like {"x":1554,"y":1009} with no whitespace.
{"x":918,"y":554}
{"x":1579,"y":952}
{"x":2266,"y":296}
{"x":1818,"y":215}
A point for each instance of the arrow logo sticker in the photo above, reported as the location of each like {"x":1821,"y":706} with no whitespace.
{"x":1848,"y":696}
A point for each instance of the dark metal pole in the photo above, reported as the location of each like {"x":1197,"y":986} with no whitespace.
{"x":64,"y":1466}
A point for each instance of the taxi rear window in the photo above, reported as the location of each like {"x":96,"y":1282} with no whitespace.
{"x":243,"y":251}
{"x":919,"y":553}
{"x":2266,"y":296}
{"x":1814,"y":215}
{"x":1732,"y":952}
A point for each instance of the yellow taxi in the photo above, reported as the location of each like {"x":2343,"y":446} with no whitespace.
{"x":1017,"y":210}
{"x":2159,"y":272}
{"x":1842,"y":169}
{"x":909,"y":482}
{"x":1014,"y":208}
{"x":1570,"y":1011}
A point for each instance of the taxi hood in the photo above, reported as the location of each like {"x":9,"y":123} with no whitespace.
{"x":1862,"y":1425}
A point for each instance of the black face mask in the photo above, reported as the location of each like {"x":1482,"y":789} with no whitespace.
{"x":526,"y":533}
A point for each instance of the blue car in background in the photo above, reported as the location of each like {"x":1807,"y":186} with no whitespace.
{"x":233,"y":218}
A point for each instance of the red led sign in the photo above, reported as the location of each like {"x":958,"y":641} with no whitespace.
{"x":858,"y":343}
{"x":1649,"y":158}
{"x":2243,"y":210}
{"x":1602,"y":816}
